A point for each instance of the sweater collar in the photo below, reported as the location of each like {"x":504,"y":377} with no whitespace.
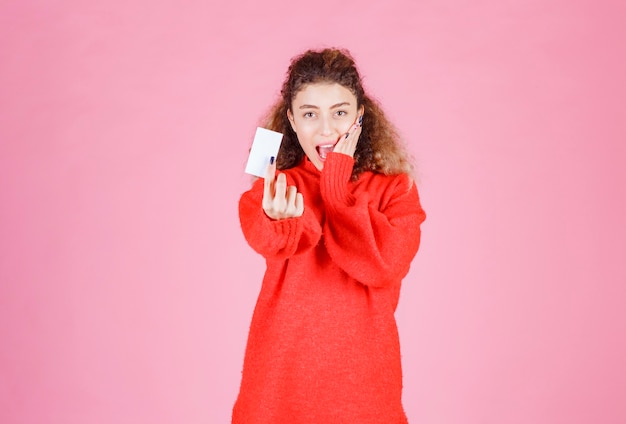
{"x":308,"y":166}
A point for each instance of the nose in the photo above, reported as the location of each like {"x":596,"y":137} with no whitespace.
{"x":326,"y":126}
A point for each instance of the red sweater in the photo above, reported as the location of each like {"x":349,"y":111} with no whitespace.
{"x":323,"y":344}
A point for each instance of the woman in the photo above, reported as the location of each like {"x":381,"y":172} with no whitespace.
{"x":338,"y":225}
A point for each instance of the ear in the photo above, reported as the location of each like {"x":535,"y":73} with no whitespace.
{"x":361,"y":111}
{"x":291,"y":120}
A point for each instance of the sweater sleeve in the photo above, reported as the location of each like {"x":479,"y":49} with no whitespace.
{"x":374,"y":245}
{"x":276,"y":239}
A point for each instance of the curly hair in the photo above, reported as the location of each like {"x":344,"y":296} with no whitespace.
{"x":379,"y":148}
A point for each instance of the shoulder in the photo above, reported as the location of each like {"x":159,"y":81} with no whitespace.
{"x":386,"y":190}
{"x":397,"y":183}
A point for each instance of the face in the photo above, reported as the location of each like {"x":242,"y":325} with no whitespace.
{"x":320,"y":114}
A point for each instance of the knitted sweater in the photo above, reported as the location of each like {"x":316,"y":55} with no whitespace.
{"x":323,"y":345}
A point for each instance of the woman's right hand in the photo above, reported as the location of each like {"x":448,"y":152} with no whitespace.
{"x":280,"y":201}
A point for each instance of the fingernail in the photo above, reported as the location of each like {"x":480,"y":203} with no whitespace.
{"x":272,"y":160}
{"x":347,"y":134}
{"x":360,"y":119}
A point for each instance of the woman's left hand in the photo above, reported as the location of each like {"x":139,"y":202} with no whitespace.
{"x":347,"y":143}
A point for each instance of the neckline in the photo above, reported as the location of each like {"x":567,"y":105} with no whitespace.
{"x":308,"y":166}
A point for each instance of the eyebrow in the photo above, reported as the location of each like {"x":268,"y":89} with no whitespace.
{"x":332,"y":107}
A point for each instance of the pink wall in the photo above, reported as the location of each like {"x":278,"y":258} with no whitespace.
{"x":126,"y":288}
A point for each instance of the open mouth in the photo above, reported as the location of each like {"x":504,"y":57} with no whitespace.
{"x":324,"y":150}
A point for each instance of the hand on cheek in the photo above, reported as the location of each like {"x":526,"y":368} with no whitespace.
{"x":347,"y":144}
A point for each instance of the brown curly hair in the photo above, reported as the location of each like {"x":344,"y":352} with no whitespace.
{"x":379,"y":148}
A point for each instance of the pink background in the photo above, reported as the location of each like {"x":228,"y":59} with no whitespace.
{"x":126,"y":287}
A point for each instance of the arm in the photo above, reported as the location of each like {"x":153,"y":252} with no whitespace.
{"x":374,"y":246}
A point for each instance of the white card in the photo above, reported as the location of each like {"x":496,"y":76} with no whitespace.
{"x":265,"y":145}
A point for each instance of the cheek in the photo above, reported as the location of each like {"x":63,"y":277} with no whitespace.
{"x":345,"y":126}
{"x":305,"y":129}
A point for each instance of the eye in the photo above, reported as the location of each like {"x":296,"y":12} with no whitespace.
{"x":341,"y":113}
{"x":308,"y":115}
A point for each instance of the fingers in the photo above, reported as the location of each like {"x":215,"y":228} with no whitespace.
{"x":291,"y":197}
{"x":279,"y":200}
{"x":280,"y":189}
{"x":295,"y":202}
{"x":299,"y":204}
{"x":347,"y":144}
{"x":268,"y":184}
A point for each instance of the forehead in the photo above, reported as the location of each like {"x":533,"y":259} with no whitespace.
{"x":324,"y":95}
